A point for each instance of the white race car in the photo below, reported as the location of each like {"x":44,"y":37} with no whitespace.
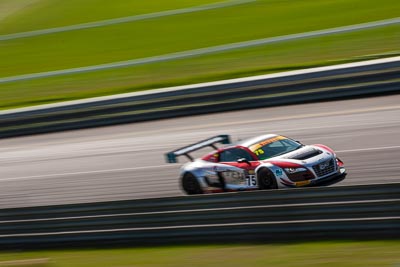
{"x":264,"y":162}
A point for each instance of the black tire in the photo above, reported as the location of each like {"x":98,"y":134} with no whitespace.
{"x":190,"y":184}
{"x":266,"y":179}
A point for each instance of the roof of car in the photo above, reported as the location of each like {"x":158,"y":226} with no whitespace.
{"x":254,"y":140}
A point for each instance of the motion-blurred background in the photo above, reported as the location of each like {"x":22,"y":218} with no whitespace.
{"x":59,"y":50}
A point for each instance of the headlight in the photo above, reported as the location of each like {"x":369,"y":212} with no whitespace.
{"x":295,"y":170}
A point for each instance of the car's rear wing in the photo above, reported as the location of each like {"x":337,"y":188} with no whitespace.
{"x":171,"y":157}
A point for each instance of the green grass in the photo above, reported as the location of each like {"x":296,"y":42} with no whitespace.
{"x":261,"y":19}
{"x":31,"y":15}
{"x":240,"y":63}
{"x":344,"y":254}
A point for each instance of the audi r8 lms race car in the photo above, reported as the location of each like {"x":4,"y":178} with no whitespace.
{"x":264,"y":162}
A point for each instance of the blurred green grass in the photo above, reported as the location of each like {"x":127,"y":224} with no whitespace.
{"x":28,"y":15}
{"x":327,"y":254}
{"x":260,"y":19}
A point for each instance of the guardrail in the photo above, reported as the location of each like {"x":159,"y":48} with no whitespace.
{"x":366,"y":211}
{"x":353,"y":79}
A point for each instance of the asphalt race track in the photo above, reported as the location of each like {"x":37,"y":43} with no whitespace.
{"x":127,"y":161}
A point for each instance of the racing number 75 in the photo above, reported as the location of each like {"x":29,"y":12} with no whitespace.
{"x":251,"y":180}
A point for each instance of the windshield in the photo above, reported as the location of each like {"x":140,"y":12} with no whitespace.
{"x":273,"y":147}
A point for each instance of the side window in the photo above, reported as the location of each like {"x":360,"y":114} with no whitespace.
{"x":234,"y":154}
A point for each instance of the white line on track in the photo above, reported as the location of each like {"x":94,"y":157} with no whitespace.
{"x":152,"y":167}
{"x":368,"y":149}
{"x":108,"y":22}
{"x":85,"y":172}
{"x":201,"y":51}
{"x":291,"y":117}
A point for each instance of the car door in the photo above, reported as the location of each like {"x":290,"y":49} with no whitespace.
{"x":247,"y":162}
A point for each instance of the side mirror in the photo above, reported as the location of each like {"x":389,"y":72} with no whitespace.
{"x":243,"y":160}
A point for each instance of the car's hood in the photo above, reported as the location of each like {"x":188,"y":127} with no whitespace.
{"x":306,"y":155}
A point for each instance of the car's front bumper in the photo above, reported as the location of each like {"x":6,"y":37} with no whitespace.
{"x":337,"y":177}
{"x":328,"y":180}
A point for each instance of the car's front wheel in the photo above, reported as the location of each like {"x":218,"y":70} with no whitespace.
{"x":190,"y":184}
{"x":266,"y":179}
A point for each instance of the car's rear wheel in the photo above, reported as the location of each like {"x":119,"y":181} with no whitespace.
{"x":266,"y":179}
{"x":190,"y":184}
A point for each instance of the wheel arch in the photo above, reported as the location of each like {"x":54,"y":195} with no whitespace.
{"x":268,"y":166}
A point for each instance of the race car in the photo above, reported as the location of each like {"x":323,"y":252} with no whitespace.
{"x":269,"y":161}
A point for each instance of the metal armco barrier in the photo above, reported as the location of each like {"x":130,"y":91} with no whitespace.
{"x":366,"y":211}
{"x":354,"y":79}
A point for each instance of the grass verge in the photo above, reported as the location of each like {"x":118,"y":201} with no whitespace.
{"x":307,"y":53}
{"x":327,"y":254}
